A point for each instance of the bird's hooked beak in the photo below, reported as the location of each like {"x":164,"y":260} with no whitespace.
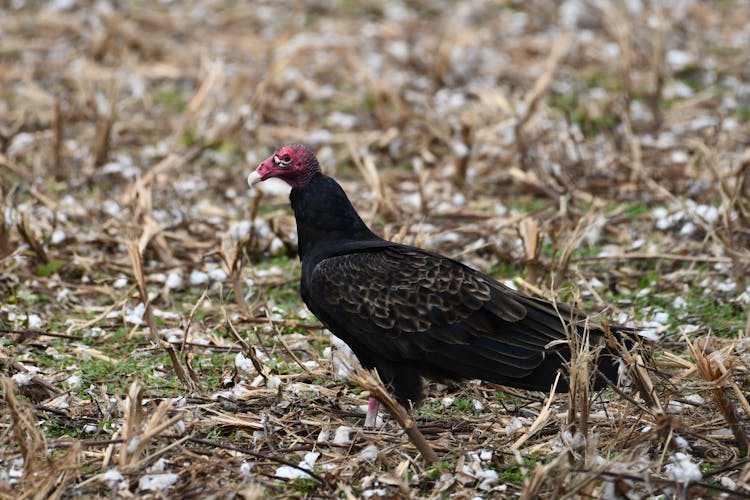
{"x":253,"y":178}
{"x":261,"y":173}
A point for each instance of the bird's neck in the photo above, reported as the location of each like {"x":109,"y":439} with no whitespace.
{"x":325,"y":217}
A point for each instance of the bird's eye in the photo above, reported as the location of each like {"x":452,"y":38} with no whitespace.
{"x":284,"y":161}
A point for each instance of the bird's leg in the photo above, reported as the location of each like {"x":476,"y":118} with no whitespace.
{"x":371,"y":417}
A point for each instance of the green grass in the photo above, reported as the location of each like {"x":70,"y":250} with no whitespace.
{"x":512,"y":473}
{"x":591,"y":125}
{"x":48,"y":268}
{"x":304,"y":485}
{"x":438,"y":468}
{"x":528,"y":204}
{"x":742,"y":113}
{"x":635,"y":209}
{"x":170,"y":97}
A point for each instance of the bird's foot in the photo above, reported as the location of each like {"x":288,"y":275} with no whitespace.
{"x":371,"y":417}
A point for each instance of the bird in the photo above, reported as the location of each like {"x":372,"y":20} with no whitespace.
{"x":410,"y":313}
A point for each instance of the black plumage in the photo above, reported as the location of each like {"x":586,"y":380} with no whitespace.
{"x":411,"y":313}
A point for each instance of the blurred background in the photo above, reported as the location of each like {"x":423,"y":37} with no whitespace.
{"x":432,"y":104}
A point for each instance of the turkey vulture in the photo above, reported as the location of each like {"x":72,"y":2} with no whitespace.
{"x":411,"y":313}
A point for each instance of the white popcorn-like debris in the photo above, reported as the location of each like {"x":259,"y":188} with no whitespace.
{"x":345,"y":121}
{"x":681,"y":442}
{"x":218,"y":275}
{"x":513,"y":426}
{"x":680,"y":90}
{"x":703,"y":122}
{"x":273,"y":382}
{"x":12,"y":474}
{"x":661,"y":318}
{"x":133,"y":444}
{"x":412,"y":199}
{"x":474,"y":468}
{"x":649,"y":334}
{"x":571,"y":440}
{"x":674,"y":407}
{"x":662,"y":217}
{"x":135,"y":315}
{"x":687,"y":229}
{"x":174,"y":281}
{"x":375,"y":492}
{"x":61,"y":402}
{"x":726,"y":286}
{"x":120,"y":282}
{"x":678,"y":60}
{"x":172,"y":334}
{"x":343,"y":435}
{"x":446,"y":402}
{"x":240,"y":230}
{"x":157,"y":278}
{"x":369,"y":453}
{"x":721,"y":433}
{"x":688,"y":328}
{"x":21,"y":142}
{"x":168,"y":315}
{"x":198,"y":277}
{"x":114,"y":479}
{"x":157,"y":482}
{"x":223,"y":395}
{"x":460,"y":149}
{"x":239,"y":391}
{"x":179,"y":427}
{"x":58,"y":236}
{"x":34,"y":321}
{"x":682,"y":469}
{"x":111,"y":208}
{"x":728,"y":482}
{"x":596,"y":282}
{"x":64,"y":294}
{"x":342,"y":358}
{"x":310,"y":364}
{"x":246,"y":469}
{"x":159,"y":466}
{"x":593,"y":233}
{"x":695,"y":398}
{"x":308,"y":462}
{"x":258,"y":436}
{"x":244,"y":364}
{"x":487,"y":478}
{"x":22,"y":379}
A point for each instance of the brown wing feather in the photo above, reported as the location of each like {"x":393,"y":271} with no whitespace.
{"x":401,"y":289}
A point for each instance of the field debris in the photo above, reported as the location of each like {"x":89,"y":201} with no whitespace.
{"x":153,"y":339}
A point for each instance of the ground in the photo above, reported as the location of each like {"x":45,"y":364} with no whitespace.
{"x":153,"y":340}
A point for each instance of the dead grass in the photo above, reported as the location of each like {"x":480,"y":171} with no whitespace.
{"x":153,"y":339}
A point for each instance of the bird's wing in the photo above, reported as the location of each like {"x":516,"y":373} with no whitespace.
{"x":405,"y":303}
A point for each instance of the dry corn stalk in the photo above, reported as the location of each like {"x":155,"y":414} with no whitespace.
{"x":370,"y":381}
{"x":530,"y":235}
{"x":138,"y":431}
{"x":709,"y":368}
{"x":137,"y":264}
